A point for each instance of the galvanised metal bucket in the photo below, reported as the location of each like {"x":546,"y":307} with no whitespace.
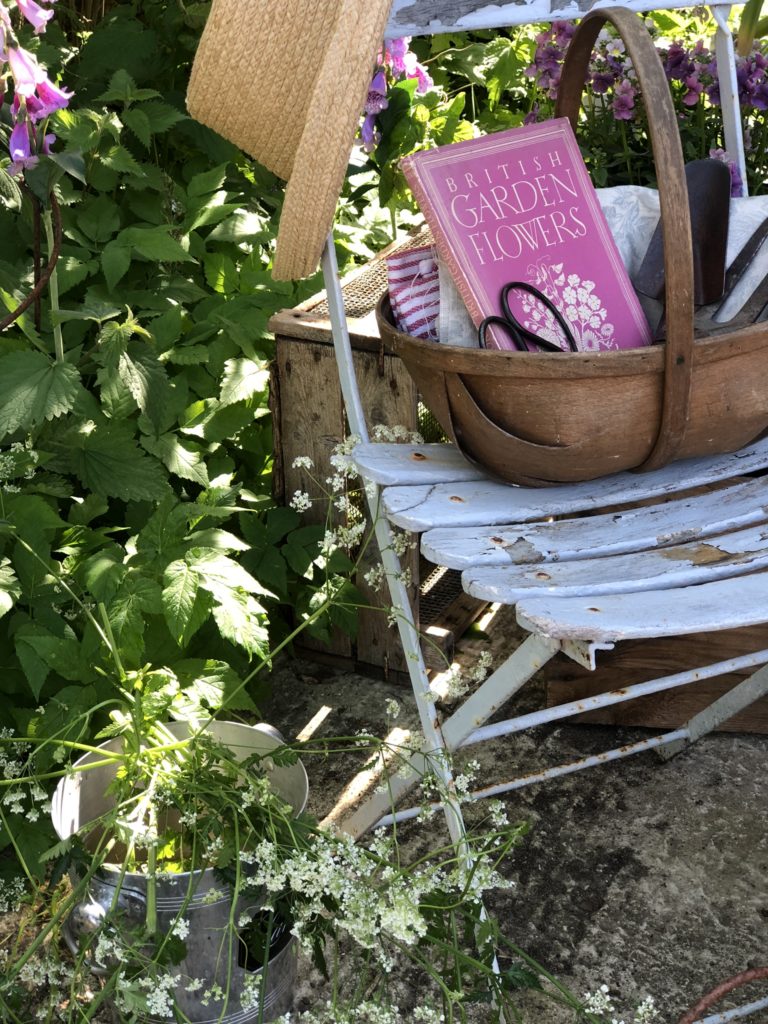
{"x":214,"y":954}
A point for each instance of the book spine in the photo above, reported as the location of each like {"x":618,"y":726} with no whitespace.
{"x":433,"y":216}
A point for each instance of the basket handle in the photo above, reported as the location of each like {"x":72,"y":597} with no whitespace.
{"x":673,"y":201}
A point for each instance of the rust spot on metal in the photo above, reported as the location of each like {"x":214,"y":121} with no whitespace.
{"x":543,"y":576}
{"x":593,"y":609}
{"x":702,"y":554}
{"x":497,"y":540}
{"x":455,"y":497}
{"x":419,"y":456}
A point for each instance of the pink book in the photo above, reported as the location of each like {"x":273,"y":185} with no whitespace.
{"x":519,"y":205}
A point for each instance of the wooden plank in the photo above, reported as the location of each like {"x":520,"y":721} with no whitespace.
{"x":429,"y":17}
{"x":388,"y":397}
{"x":487,"y":503}
{"x":726,"y":604}
{"x":638,"y":660}
{"x":611,"y":533}
{"x":389,"y":464}
{"x":309,"y":427}
{"x":682,"y":565}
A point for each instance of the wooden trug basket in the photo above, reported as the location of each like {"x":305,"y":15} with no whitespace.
{"x":537,"y":418}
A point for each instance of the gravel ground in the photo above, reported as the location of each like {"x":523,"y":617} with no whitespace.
{"x":649,"y":877}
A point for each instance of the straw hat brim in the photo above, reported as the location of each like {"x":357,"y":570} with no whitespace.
{"x":286,"y":81}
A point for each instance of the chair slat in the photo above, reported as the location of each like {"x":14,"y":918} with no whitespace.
{"x":683,"y":565}
{"x":725,"y":604}
{"x":388,"y":464}
{"x":674,"y":521}
{"x":486,"y":503}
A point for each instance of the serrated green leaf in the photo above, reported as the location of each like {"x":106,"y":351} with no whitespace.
{"x":180,"y":457}
{"x":155,"y":244}
{"x":208,"y":181}
{"x":161,"y":116}
{"x":71,"y":162}
{"x":221,"y":273}
{"x":137,"y":121}
{"x":144,"y":376}
{"x":103,"y":573}
{"x":219,"y":574}
{"x":187,"y":355}
{"x":181,"y":587}
{"x":210,"y":686}
{"x":241,"y":226}
{"x":221,"y":540}
{"x":117,"y":158}
{"x":10,"y":590}
{"x":240,"y":619}
{"x":33,"y":389}
{"x":10,"y":193}
{"x":242,"y":379}
{"x":166,"y":328}
{"x":122,"y":89}
{"x":99,"y":218}
{"x":115,"y":260}
{"x":108,"y":461}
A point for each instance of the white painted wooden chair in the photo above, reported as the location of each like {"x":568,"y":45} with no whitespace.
{"x":581,"y":583}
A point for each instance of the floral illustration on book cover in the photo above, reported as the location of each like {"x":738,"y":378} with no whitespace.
{"x":576,"y":298}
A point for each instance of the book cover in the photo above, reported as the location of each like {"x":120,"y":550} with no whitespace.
{"x":519,"y":205}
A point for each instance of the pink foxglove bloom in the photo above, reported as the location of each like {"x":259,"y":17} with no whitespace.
{"x":25,"y":70}
{"x":21,"y":155}
{"x":36,"y":15}
{"x":50,"y":98}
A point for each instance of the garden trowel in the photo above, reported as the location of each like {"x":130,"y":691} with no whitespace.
{"x":709,"y":197}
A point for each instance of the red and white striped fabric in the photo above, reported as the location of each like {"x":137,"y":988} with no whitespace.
{"x":414,"y":291}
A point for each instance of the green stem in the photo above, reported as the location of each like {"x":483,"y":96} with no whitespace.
{"x":53,"y":291}
{"x":112,"y":643}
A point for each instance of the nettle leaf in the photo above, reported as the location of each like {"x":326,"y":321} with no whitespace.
{"x":144,"y":376}
{"x":240,"y":619}
{"x":182,"y":586}
{"x":40,"y":651}
{"x":221,"y":273}
{"x":99,"y":218}
{"x":211,"y":686}
{"x":10,"y":193}
{"x":220,"y":574}
{"x":34,"y":389}
{"x":166,"y":329}
{"x":161,"y":116}
{"x":155,"y":244}
{"x":122,"y":89}
{"x":138,"y":122}
{"x":107,"y":460}
{"x":117,"y":158}
{"x":10,"y":589}
{"x":208,"y":181}
{"x":242,"y":226}
{"x":242,"y":379}
{"x":188,"y":355}
{"x":115,"y":260}
{"x":104,"y":572}
{"x":180,"y":457}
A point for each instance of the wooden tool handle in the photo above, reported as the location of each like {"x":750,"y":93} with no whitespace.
{"x":673,"y":201}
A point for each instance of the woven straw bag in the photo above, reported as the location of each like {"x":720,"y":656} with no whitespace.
{"x":537,"y":418}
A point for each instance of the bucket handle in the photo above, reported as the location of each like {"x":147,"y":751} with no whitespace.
{"x":673,"y":201}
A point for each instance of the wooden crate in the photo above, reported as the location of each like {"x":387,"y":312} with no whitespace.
{"x":635,"y":661}
{"x":308,"y":416}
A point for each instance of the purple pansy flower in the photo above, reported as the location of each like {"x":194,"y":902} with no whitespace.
{"x":36,"y":15}
{"x":624,"y":101}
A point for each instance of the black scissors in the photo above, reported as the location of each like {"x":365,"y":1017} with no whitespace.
{"x":520,"y":335}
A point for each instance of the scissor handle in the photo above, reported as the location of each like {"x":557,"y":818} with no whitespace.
{"x":528,"y":335}
{"x":510,"y":328}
